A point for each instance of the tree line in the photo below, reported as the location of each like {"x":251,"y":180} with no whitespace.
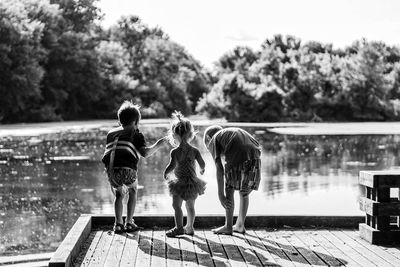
{"x":58,"y":63}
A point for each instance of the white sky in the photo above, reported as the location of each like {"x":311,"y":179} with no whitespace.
{"x":210,"y":28}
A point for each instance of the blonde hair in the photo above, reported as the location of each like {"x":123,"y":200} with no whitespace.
{"x":181,"y":127}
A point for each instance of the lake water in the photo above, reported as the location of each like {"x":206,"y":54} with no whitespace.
{"x":48,"y":178}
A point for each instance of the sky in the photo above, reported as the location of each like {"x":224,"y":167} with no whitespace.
{"x":210,"y":28}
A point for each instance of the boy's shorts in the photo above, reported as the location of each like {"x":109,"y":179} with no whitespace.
{"x":245,"y":177}
{"x":122,"y":176}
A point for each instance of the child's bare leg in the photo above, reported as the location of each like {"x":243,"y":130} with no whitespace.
{"x":131,"y":204}
{"x":191,"y":213}
{"x":227,"y":228}
{"x":118,"y":206}
{"x":243,"y":207}
{"x":177,"y":205}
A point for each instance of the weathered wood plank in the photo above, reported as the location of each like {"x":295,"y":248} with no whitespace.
{"x":304,"y":250}
{"x":217,"y":251}
{"x":378,"y":237}
{"x":202,"y":250}
{"x":114,"y":254}
{"x":262,"y":252}
{"x":25,"y":258}
{"x":69,"y":247}
{"x":144,"y":249}
{"x":376,"y":259}
{"x":280,"y":237}
{"x":376,"y":208}
{"x":129,"y":253}
{"x":159,"y":255}
{"x":246,"y":250}
{"x":325,"y":249}
{"x":381,"y":179}
{"x":268,"y":241}
{"x":348,"y":250}
{"x":187,"y":249}
{"x":208,"y":221}
{"x":231,"y":250}
{"x":173,"y":252}
{"x":384,"y":253}
{"x":102,"y":249}
{"x":92,"y":248}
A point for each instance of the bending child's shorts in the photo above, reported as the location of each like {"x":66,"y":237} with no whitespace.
{"x":244,"y":177}
{"x":120,"y":176}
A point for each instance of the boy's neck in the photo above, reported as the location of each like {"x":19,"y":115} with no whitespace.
{"x":134,"y":126}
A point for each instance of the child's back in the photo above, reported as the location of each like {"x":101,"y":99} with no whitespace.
{"x":130,"y":144}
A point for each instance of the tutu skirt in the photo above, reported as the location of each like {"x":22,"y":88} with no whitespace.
{"x":187,"y":187}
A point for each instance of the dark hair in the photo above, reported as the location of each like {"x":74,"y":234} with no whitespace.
{"x":128,"y":113}
{"x":210,"y":132}
{"x":181,"y":127}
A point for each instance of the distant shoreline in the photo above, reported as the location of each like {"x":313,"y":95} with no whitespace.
{"x":285,"y":128}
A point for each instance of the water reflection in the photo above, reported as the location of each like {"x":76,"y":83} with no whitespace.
{"x":47,"y":181}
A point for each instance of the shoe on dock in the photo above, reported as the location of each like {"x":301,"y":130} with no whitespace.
{"x":175,"y":232}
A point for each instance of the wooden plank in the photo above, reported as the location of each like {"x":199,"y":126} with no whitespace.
{"x":325,"y":249}
{"x":114,"y":254}
{"x":280,"y":237}
{"x":89,"y":253}
{"x":301,"y":247}
{"x":208,"y":221}
{"x":202,"y":250}
{"x":144,"y":249}
{"x":231,"y":250}
{"x":376,"y":208}
{"x":173,"y":252}
{"x":129,"y":253}
{"x":279,"y":255}
{"x":101,"y":251}
{"x":376,"y":259}
{"x":187,"y":250}
{"x":376,"y":237}
{"x":217,"y":250}
{"x":262,"y":253}
{"x":159,"y":255}
{"x":381,"y":179}
{"x":69,"y":247}
{"x":246,"y":250}
{"x":347,"y":249}
{"x":30,"y":264}
{"x":384,"y":253}
{"x":25,"y":258}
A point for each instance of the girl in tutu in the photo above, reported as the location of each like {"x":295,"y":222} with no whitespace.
{"x":186,"y":186}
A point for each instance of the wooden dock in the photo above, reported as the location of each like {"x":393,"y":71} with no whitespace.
{"x":284,"y":245}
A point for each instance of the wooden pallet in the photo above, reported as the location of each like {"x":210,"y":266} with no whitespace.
{"x":382,"y":224}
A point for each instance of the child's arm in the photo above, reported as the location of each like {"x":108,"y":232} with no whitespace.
{"x":226,"y":203}
{"x":171,"y":165}
{"x":148,"y":151}
{"x":200,"y":161}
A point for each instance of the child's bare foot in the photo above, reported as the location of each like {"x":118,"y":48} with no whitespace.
{"x":189,"y":230}
{"x":239,"y":229}
{"x":223,"y":230}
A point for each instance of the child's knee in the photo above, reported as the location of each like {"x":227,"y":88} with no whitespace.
{"x":176,"y":206}
{"x":119,"y":194}
{"x":245,"y":193}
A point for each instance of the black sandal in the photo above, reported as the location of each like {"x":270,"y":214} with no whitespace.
{"x":174,"y":232}
{"x":131,"y":227}
{"x":118,"y":228}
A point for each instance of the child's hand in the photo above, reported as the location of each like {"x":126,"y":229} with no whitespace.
{"x":226,"y":203}
{"x":202,"y":171}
